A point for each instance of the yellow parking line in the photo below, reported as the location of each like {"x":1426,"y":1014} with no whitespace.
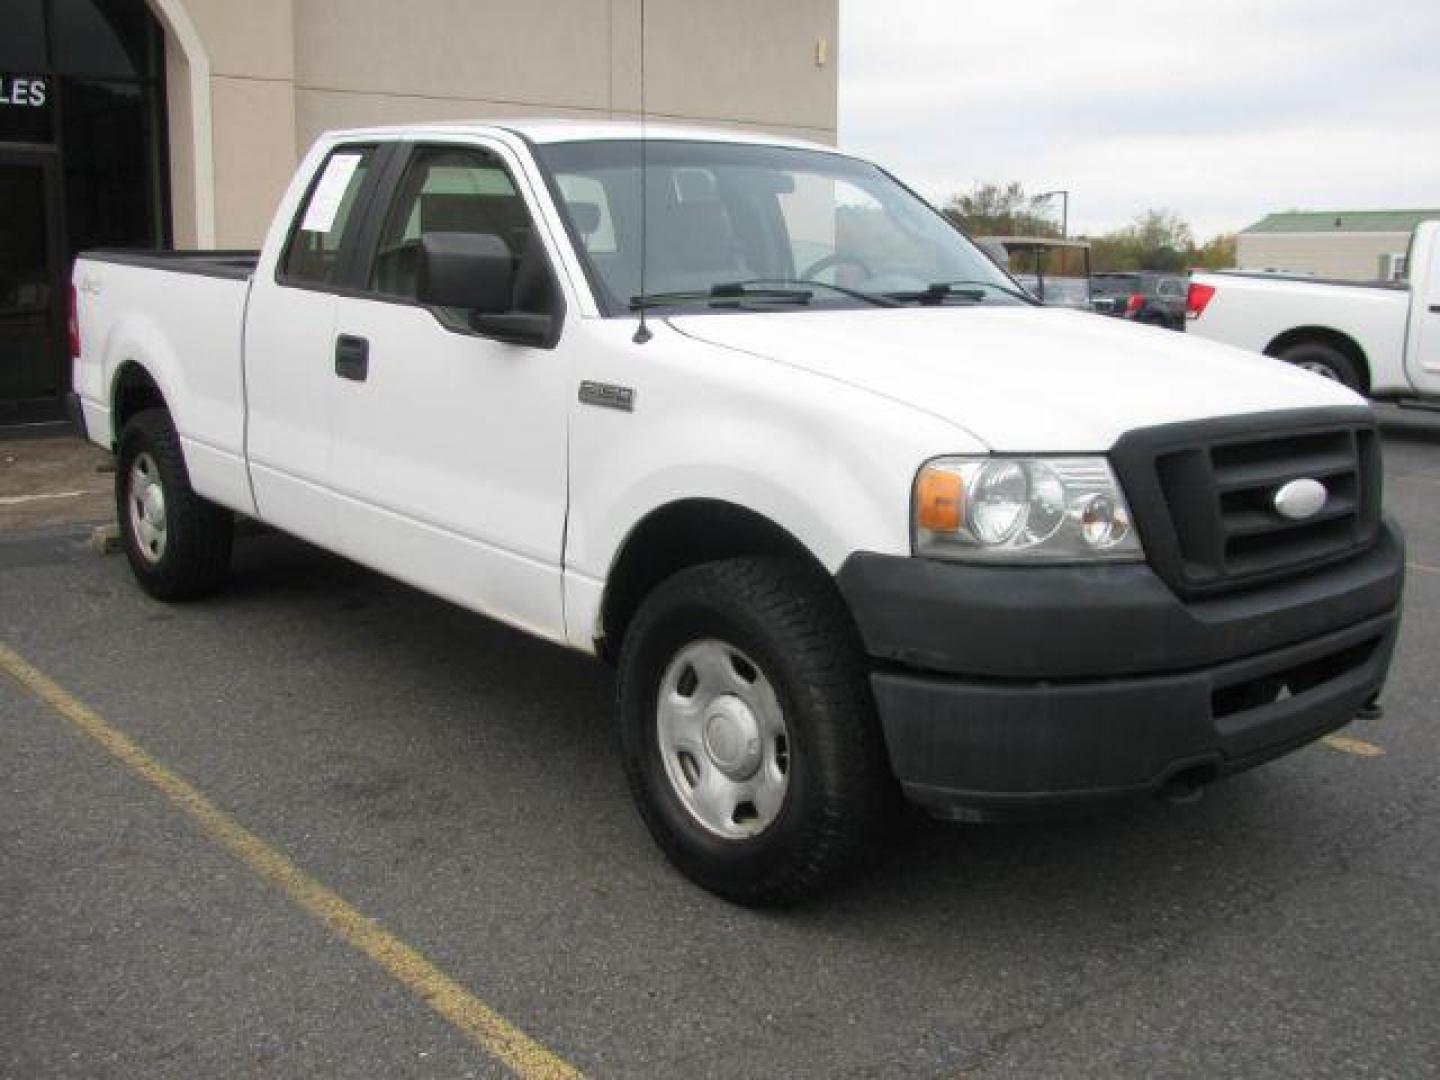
{"x":1359,"y":747}
{"x":485,"y":1027}
{"x":1423,"y":568}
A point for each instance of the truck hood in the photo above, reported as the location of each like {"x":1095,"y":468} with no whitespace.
{"x":1023,"y":379}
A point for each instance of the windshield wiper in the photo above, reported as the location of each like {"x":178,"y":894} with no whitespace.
{"x":729,"y":291}
{"x":878,"y":299}
{"x":940,"y":291}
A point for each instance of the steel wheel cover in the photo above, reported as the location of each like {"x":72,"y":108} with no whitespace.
{"x":723,"y":739}
{"x":146,"y":500}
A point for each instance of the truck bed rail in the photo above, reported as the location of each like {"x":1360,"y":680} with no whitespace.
{"x":1306,"y":279}
{"x":238,"y":264}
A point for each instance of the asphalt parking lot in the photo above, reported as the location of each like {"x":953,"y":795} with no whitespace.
{"x":429,"y":781}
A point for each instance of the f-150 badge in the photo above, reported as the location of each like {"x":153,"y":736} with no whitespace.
{"x":607,"y":396}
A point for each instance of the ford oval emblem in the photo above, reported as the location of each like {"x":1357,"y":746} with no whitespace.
{"x":1300,"y":499}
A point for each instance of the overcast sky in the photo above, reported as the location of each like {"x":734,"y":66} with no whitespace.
{"x":1221,"y":110}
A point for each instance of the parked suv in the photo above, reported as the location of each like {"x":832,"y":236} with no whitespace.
{"x":1153,"y":299}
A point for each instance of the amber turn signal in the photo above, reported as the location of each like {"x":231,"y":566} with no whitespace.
{"x":939,"y":500}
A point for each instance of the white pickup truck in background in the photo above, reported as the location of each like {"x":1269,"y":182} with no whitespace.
{"x":1379,"y":338}
{"x":852,"y":515}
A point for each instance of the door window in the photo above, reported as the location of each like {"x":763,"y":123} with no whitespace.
{"x":313,"y":256}
{"x":446,"y":190}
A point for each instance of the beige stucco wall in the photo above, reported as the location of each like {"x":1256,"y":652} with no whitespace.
{"x":182,"y":146}
{"x":280,"y":72}
{"x":1348,"y":255}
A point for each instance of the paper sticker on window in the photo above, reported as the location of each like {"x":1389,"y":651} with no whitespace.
{"x":330,"y":192}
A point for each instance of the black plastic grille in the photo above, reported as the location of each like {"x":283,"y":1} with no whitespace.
{"x":1203,"y":495}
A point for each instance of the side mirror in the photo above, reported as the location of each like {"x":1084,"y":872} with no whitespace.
{"x":515,"y":327}
{"x":466,"y":270}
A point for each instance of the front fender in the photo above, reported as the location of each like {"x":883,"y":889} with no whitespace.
{"x":829,"y":463}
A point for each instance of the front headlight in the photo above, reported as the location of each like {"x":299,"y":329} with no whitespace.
{"x":1013,"y":509}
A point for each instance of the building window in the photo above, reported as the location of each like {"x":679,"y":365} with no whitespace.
{"x":84,"y":164}
{"x":112,"y":194}
{"x":117,"y":39}
{"x":22,"y":36}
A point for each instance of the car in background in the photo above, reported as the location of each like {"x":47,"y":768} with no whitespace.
{"x":1381,"y":338}
{"x":1055,"y":271}
{"x":1152,"y":299}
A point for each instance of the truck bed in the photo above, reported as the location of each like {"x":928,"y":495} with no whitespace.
{"x":220,"y":263}
{"x":1270,"y":313}
{"x":184,"y":312}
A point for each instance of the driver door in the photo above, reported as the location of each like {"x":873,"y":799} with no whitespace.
{"x":448,"y":449}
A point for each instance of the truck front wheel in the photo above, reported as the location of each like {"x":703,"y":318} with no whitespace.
{"x":178,"y":543}
{"x":1324,"y":360}
{"x":750,"y":738}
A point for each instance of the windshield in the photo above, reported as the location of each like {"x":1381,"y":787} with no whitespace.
{"x":735,"y":225}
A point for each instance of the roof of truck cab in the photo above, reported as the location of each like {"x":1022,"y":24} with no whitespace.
{"x":561,"y":130}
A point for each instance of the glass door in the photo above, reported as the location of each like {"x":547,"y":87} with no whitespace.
{"x":32,"y":299}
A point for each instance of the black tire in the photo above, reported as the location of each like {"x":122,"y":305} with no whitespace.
{"x":788,"y":621}
{"x":194,"y":554}
{"x":1324,"y":360}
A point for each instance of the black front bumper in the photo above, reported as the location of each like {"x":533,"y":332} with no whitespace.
{"x":1009,"y":691}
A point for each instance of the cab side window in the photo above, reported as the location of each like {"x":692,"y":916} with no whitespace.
{"x":312,"y":256}
{"x":446,"y":190}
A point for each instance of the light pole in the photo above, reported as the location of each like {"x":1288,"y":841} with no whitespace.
{"x":1064,"y":209}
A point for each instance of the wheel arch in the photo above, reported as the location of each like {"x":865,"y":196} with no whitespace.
{"x":132,"y":389}
{"x":1324,"y":335}
{"x":678,"y":535}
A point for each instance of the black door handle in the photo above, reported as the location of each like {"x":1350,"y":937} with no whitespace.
{"x":352,"y":357}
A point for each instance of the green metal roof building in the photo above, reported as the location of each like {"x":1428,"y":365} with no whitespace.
{"x":1361,"y":245}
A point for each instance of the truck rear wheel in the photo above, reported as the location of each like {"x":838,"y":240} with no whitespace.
{"x":178,"y":543}
{"x":1324,"y":360}
{"x":750,"y":738}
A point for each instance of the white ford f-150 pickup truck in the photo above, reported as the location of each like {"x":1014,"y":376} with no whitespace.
{"x":852,"y":515}
{"x":1380,"y":338}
